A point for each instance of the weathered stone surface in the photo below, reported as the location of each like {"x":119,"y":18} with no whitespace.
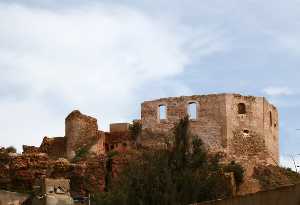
{"x":117,"y":141}
{"x":119,"y":127}
{"x":241,"y":126}
{"x":55,"y":147}
{"x":79,"y":130}
{"x":12,"y":198}
{"x":22,"y":172}
{"x":30,"y":149}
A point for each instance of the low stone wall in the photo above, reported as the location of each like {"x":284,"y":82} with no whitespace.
{"x":9,"y":198}
{"x":286,"y":195}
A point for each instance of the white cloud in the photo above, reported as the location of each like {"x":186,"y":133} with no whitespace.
{"x":277,"y":91}
{"x":92,"y":58}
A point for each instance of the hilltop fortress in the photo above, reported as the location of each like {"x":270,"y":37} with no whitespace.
{"x":243,"y":128}
{"x":236,"y":127}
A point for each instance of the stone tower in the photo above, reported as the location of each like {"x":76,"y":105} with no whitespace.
{"x":243,"y":127}
{"x":80,"y":130}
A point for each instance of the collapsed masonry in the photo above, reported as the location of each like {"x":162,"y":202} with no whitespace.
{"x":81,"y":131}
{"x":242,"y":127}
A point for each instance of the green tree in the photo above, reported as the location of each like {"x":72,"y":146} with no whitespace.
{"x":182,"y":174}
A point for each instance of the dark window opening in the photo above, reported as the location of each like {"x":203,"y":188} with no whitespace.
{"x":192,"y":110}
{"x":246,"y":131}
{"x":162,"y":112}
{"x":124,"y":144}
{"x":241,"y":108}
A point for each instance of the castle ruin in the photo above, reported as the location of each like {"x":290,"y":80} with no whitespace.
{"x":243,"y":128}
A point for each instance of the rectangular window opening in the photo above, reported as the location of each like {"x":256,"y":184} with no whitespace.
{"x":192,"y":110}
{"x":162,"y":112}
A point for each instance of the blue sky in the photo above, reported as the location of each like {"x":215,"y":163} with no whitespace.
{"x":106,"y":58}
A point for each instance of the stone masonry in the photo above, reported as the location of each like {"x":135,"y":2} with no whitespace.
{"x":80,"y":130}
{"x":242,"y":127}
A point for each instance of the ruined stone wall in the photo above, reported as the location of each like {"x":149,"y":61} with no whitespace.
{"x":55,"y":147}
{"x":249,"y":134}
{"x":24,"y":172}
{"x":271,"y":131}
{"x":234,"y":124}
{"x":97,"y":144}
{"x":30,"y":149}
{"x":209,"y":125}
{"x":80,"y":130}
{"x":117,"y":141}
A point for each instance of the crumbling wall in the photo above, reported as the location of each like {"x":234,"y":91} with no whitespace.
{"x":54,"y":147}
{"x":23,"y":172}
{"x":209,"y":125}
{"x":30,"y":149}
{"x":117,"y":141}
{"x":249,"y":138}
{"x":25,"y":169}
{"x":97,"y":145}
{"x":88,"y":177}
{"x":237,"y":125}
{"x":271,"y":131}
{"x":80,"y":130}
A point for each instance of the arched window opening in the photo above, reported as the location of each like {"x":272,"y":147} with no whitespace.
{"x":192,"y":110}
{"x":271,"y":120}
{"x":162,"y":112}
{"x":241,"y":108}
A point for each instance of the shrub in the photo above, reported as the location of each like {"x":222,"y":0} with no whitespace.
{"x":11,"y":149}
{"x":179,"y":175}
{"x":237,"y":170}
{"x":80,"y":153}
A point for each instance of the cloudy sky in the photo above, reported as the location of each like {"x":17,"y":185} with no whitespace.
{"x":105,"y":58}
